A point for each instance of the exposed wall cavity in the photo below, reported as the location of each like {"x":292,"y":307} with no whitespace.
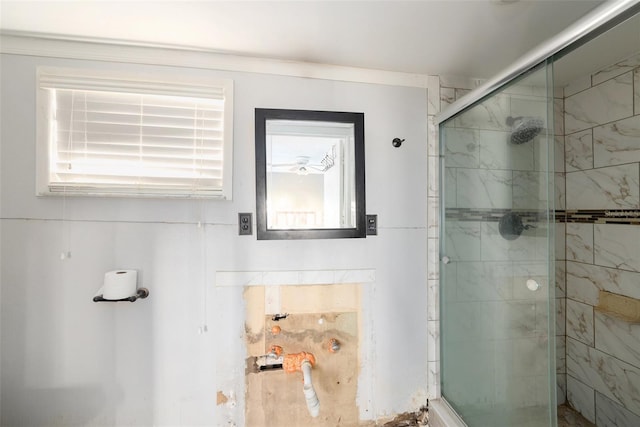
{"x":322,"y":320}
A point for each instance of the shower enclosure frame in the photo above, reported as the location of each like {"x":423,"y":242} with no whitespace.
{"x":592,"y":25}
{"x":595,"y":23}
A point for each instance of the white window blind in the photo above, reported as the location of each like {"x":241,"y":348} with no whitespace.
{"x":109,"y":135}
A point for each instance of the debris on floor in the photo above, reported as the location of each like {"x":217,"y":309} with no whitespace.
{"x":410,"y":419}
{"x":569,"y":417}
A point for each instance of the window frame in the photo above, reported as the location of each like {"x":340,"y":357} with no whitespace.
{"x":129,"y":82}
{"x":261,"y":117}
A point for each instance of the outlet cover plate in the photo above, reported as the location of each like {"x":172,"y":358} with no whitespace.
{"x":372,"y":225}
{"x":245,"y":224}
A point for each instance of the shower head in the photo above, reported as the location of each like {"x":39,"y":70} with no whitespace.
{"x":524,"y":129}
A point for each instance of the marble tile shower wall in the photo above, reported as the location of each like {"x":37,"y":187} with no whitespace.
{"x":498,"y":313}
{"x":602,"y":124}
{"x":441,"y":92}
{"x":560,"y":249}
{"x":433,"y":249}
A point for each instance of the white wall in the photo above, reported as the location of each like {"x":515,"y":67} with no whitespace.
{"x":66,"y":360}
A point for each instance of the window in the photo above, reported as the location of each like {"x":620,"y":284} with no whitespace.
{"x":107,"y":134}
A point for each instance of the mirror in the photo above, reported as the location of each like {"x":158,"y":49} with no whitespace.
{"x":309,"y":174}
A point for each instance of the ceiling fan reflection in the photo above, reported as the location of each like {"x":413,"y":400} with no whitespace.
{"x":302,"y":166}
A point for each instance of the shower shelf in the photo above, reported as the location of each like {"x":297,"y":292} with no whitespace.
{"x":620,"y":306}
{"x":141,"y":293}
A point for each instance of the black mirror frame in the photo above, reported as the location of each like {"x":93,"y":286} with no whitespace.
{"x":263,"y":233}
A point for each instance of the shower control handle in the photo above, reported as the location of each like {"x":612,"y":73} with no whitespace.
{"x":446,"y":260}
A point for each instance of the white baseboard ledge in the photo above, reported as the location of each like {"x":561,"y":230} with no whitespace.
{"x":442,"y":415}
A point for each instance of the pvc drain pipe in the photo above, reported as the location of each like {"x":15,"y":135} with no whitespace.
{"x":313,"y":404}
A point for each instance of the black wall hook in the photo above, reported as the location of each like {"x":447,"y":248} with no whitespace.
{"x":397,"y":142}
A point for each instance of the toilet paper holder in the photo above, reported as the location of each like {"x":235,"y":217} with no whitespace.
{"x":141,"y":293}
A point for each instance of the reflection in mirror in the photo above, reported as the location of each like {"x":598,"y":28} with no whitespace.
{"x":308,"y":183}
{"x":309,"y":174}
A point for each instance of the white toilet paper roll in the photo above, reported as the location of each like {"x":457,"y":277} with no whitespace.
{"x":119,"y":284}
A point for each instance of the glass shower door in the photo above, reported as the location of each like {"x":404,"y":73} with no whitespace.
{"x":497,"y":295}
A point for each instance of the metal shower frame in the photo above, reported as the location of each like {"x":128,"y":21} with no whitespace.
{"x":595,"y":23}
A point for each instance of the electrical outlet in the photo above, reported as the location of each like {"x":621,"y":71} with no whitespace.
{"x":245,"y":227}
